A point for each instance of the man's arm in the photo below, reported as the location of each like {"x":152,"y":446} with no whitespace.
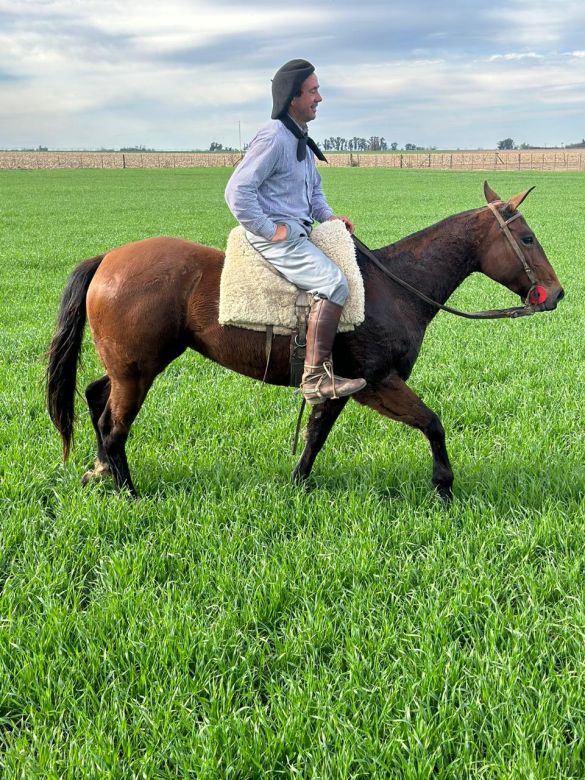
{"x":321,"y":209}
{"x":241,"y":192}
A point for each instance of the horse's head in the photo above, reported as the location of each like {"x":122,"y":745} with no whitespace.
{"x":511,"y":254}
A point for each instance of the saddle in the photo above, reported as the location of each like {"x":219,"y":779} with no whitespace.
{"x":253,"y":295}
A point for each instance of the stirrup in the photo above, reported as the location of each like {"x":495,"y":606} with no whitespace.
{"x":316,"y":377}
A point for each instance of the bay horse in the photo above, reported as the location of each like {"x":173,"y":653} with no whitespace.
{"x":147,"y":301}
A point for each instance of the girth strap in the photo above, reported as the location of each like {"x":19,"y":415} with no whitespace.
{"x":298,"y":341}
{"x":268,"y":348}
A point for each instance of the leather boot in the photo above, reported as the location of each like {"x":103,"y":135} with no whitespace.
{"x":319,"y":382}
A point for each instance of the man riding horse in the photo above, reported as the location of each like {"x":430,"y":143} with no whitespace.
{"x":275,"y":194}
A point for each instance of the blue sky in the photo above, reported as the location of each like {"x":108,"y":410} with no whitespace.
{"x":180,"y":74}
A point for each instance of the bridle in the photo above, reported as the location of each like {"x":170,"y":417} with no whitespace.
{"x":515,"y":246}
{"x":534,"y":300}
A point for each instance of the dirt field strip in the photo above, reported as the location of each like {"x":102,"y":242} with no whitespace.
{"x":539,"y":159}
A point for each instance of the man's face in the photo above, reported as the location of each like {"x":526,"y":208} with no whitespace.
{"x":304,"y":107}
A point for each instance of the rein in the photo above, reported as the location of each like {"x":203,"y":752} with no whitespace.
{"x":489,"y":314}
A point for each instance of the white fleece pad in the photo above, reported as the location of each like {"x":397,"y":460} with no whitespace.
{"x":253,"y":295}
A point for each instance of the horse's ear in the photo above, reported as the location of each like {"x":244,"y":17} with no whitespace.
{"x":517,"y":199}
{"x":490,"y":195}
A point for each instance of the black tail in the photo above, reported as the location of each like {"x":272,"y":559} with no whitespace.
{"x":65,"y":350}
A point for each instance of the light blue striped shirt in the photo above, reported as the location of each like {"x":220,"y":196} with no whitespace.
{"x":270,"y":185}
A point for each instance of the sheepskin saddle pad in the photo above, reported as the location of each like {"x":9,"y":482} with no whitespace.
{"x":254,"y":295}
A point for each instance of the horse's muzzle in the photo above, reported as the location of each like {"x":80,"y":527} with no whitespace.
{"x":542,"y":299}
{"x":551,"y":302}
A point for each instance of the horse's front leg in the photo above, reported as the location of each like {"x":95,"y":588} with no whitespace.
{"x":393,"y":398}
{"x":320,"y":423}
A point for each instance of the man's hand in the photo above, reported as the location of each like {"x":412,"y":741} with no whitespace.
{"x":280,"y":234}
{"x":346,"y":221}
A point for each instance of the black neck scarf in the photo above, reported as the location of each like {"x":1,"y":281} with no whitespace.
{"x":304,"y":139}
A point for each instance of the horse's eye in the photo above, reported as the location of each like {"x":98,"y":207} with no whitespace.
{"x":528,"y":240}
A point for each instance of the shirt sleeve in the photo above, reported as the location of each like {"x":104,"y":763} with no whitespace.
{"x":321,"y":209}
{"x":241,"y":192}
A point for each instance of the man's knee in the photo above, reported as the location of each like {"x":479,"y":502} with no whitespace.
{"x":340,"y":291}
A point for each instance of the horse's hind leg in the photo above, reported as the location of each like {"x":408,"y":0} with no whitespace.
{"x":393,"y":398}
{"x":97,"y":394}
{"x":321,"y":421}
{"x":124,"y":402}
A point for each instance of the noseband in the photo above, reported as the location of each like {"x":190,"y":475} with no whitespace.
{"x":534,"y":300}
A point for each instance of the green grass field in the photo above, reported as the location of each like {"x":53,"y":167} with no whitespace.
{"x":231,"y":625}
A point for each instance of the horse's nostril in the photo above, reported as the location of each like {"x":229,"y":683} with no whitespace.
{"x":561,"y":295}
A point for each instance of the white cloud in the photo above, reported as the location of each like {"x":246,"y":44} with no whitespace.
{"x":183,"y":73}
{"x":536,"y":23}
{"x":517,"y":56}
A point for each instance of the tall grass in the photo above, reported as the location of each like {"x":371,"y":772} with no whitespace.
{"x":231,"y":625}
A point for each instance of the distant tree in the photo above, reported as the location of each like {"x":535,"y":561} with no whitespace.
{"x":215,"y":147}
{"x":506,"y":143}
{"x":377,"y":144}
{"x":394,"y":146}
{"x":135,"y":149}
{"x":410,"y":147}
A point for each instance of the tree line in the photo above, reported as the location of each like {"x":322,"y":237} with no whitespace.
{"x":374,"y":143}
{"x":507,"y":144}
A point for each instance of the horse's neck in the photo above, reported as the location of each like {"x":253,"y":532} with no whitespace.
{"x":435,"y":260}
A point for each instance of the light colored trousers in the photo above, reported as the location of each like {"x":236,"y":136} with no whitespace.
{"x":302,"y":263}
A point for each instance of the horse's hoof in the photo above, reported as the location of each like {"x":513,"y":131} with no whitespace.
{"x":445,"y":493}
{"x":298,"y":477}
{"x":100,"y":470}
{"x":300,"y":480}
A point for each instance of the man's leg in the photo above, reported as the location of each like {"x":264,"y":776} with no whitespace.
{"x":303,"y":264}
{"x":319,"y":382}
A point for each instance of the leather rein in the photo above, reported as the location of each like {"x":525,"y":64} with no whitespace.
{"x":490,"y":314}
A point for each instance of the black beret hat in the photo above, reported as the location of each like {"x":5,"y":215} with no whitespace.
{"x":286,"y":83}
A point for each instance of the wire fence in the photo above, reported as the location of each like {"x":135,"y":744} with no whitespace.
{"x":541,"y":160}
{"x":538,"y":160}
